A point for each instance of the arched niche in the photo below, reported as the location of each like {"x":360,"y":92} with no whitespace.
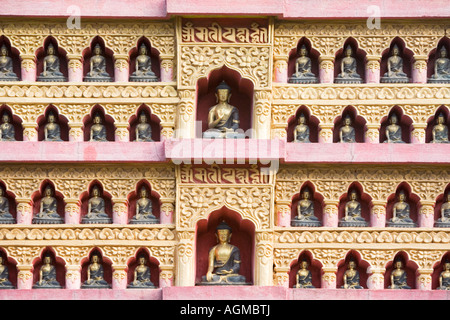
{"x":406,"y":54}
{"x":11,"y":265}
{"x":86,"y":195}
{"x":437,"y":270}
{"x":59,"y":119}
{"x":11,"y":200}
{"x":241,"y":96}
{"x":312,"y":53}
{"x":56,"y":261}
{"x":41,"y":53}
{"x":403,"y":121}
{"x":357,"y":122}
{"x":103,"y":261}
{"x":38,"y":195}
{"x":15,"y":120}
{"x":311,"y":121}
{"x":106,"y":52}
{"x":107,"y":121}
{"x":409,"y":266}
{"x":243,"y":235}
{"x":154,"y":121}
{"x":314,"y":266}
{"x":361,"y":267}
{"x":14,"y":54}
{"x":432,"y":121}
{"x":151,"y":52}
{"x":440,"y":200}
{"x":411,"y":198}
{"x":151,"y":262}
{"x":358,"y":54}
{"x":363,"y":198}
{"x":435,"y":54}
{"x":135,"y":195}
{"x":316,"y":197}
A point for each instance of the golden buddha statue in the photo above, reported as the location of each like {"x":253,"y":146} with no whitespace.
{"x":351,"y":277}
{"x":444,"y":277}
{"x":303,"y":278}
{"x":224,"y":261}
{"x":399,"y":277}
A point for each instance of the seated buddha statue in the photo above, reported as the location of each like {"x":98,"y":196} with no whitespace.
{"x":399,"y":277}
{"x":95,"y":275}
{"x":7,"y":132}
{"x":303,"y":72}
{"x":48,"y":209}
{"x":393,"y":131}
{"x":352,"y":216}
{"x":305,"y":212}
{"x":97,"y":69}
{"x":441,"y":68}
{"x":47,"y":276}
{"x":351,"y":277}
{"x":141,"y":279}
{"x":144,"y":211}
{"x":349,"y":72}
{"x":347,"y":132}
{"x":400,"y":217}
{"x":143,"y":129}
{"x":143,"y":71}
{"x":6,"y":66}
{"x":223,"y":118}
{"x":301,"y":131}
{"x":4,"y":275}
{"x":440,"y":131}
{"x":444,"y":220}
{"x":444,"y":277}
{"x":98,"y":130}
{"x":5,"y":215}
{"x":224,"y":261}
{"x":303,"y":278}
{"x":395,"y":72}
{"x":51,"y":71}
{"x":52,"y":130}
{"x":96,"y":209}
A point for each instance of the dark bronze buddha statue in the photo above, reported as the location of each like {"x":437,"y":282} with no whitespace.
{"x":96,"y":209}
{"x":141,"y":278}
{"x":47,"y":276}
{"x":48,"y":209}
{"x":6,"y":66}
{"x":144,"y":211}
{"x":401,"y":211}
{"x":5,"y":214}
{"x":349,"y":73}
{"x":303,"y":278}
{"x":305,"y":212}
{"x":143,"y":71}
{"x":441,"y":68}
{"x":351,"y":277}
{"x":97,"y":64}
{"x":52,"y":72}
{"x":95,"y":275}
{"x":352,"y":216}
{"x":303,"y":72}
{"x":395,"y":72}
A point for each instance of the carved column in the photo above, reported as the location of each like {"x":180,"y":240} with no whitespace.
{"x":283,"y":210}
{"x":419,"y":70}
{"x":375,"y":281}
{"x":72,"y":211}
{"x":186,"y":115}
{"x":262,"y":112}
{"x":418,"y":133}
{"x":76,"y":132}
{"x":75,"y":69}
{"x":121,"y":68}
{"x":373,"y":69}
{"x":121,"y":133}
{"x":166,"y":68}
{"x":73,"y":277}
{"x":378,"y":214}
{"x":25,"y":277}
{"x":119,"y":277}
{"x":329,"y":278}
{"x":326,"y":132}
{"x":167,"y":131}
{"x":280,"y":71}
{"x":166,"y":276}
{"x":24,"y":211}
{"x":264,"y":259}
{"x":424,"y":279}
{"x":185,"y":262}
{"x":167,"y":211}
{"x":330,"y":213}
{"x":120,"y":211}
{"x":29,"y":131}
{"x":426,"y":214}
{"x":326,"y":69}
{"x":372,"y":135}
{"x":28,"y":67}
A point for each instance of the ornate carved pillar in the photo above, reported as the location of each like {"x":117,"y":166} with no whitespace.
{"x":262,"y":112}
{"x":185,"y":259}
{"x":75,"y":70}
{"x":73,"y":277}
{"x":378,"y":214}
{"x":167,"y":131}
{"x":283,"y":210}
{"x":326,"y":132}
{"x":121,"y":133}
{"x":76,"y":132}
{"x":419,"y":70}
{"x":330,"y":213}
{"x":418,"y":133}
{"x":29,"y":131}
{"x":375,"y":281}
{"x":120,"y":211}
{"x":280,"y":69}
{"x":25,"y":277}
{"x":166,"y":68}
{"x":281,"y":276}
{"x":326,"y":69}
{"x":166,"y":276}
{"x":121,"y":68}
{"x":72,"y":211}
{"x":426,"y":214}
{"x":424,"y":279}
{"x":264,"y":259}
{"x":372,"y":135}
{"x":167,"y":211}
{"x":279,"y":131}
{"x":24,"y":211}
{"x":329,"y":278}
{"x":186,"y":115}
{"x":373,"y":69}
{"x":28,"y":67}
{"x":119,"y":277}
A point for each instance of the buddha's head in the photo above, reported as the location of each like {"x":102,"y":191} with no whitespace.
{"x":48,"y":191}
{"x":443,"y":52}
{"x":97,"y":50}
{"x":393,"y":119}
{"x":302,"y":119}
{"x":223,"y":92}
{"x":96,"y":191}
{"x":306,"y":193}
{"x":142,"y":117}
{"x":4,"y":51}
{"x":395,"y":50}
{"x":97,"y":119}
{"x":50,"y":50}
{"x":303,"y":51}
{"x":223,"y":232}
{"x":348,"y":51}
{"x":5,"y":117}
{"x":353,"y":195}
{"x":51,"y":117}
{"x":143,"y":192}
{"x":143,"y":50}
{"x":440,"y":119}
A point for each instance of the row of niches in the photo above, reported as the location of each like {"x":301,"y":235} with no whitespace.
{"x":355,"y":208}
{"x":351,"y":63}
{"x":97,"y":62}
{"x":94,"y":206}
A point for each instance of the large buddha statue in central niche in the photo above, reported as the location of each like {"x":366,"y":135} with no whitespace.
{"x":223,"y":118}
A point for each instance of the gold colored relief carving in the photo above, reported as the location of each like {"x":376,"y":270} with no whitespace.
{"x":215,"y":174}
